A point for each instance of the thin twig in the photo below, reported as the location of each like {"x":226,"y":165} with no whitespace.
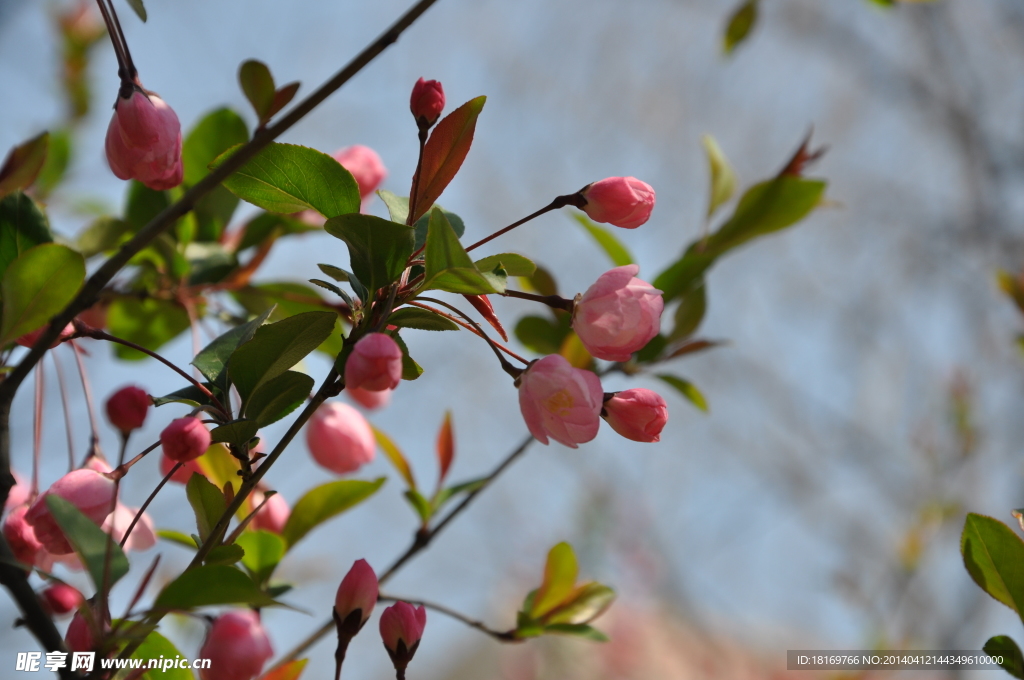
{"x":502,"y":635}
{"x":559,"y":202}
{"x":495,"y":347}
{"x":62,"y":387}
{"x":138,"y":515}
{"x":467,"y":326}
{"x":94,"y":437}
{"x":37,"y":429}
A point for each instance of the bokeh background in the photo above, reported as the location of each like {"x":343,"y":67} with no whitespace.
{"x":870,"y":393}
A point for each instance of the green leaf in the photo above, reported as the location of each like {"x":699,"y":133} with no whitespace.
{"x":587,"y":603}
{"x":765,"y":208}
{"x":156,"y":646}
{"x":88,"y":540}
{"x":398,"y":206}
{"x":1011,"y":660}
{"x":690,"y":311}
{"x":282,"y":96}
{"x":105,"y":233}
{"x":23,"y":163}
{"x":419,"y":504}
{"x":422,"y":319}
{"x":213,"y":358}
{"x":542,"y":282}
{"x":723,"y":178}
{"x":339,"y":274}
{"x":149,"y":322}
{"x":263,"y":551}
{"x":448,"y":265}
{"x":465,"y":487}
{"x":687,"y":389}
{"x":285,"y":178}
{"x":288,"y":298}
{"x":394,"y":456}
{"x":22,"y":226}
{"x":139,"y":8}
{"x":207,"y":501}
{"x":410,"y":369}
{"x":581,"y":630}
{"x":540,"y":334}
{"x":36,"y":286}
{"x":378,"y":248}
{"x":209,"y":585}
{"x":258,"y":85}
{"x":177,"y":537}
{"x":514,"y":265}
{"x":422,"y":226}
{"x":994,"y":557}
{"x":58,"y":157}
{"x":225,"y":554}
{"x":324,"y":502}
{"x":444,"y":153}
{"x":269,"y":226}
{"x":279,"y":397}
{"x":217,"y":132}
{"x":560,"y":574}
{"x":277,"y":347}
{"x":143,"y":204}
{"x":652,"y":350}
{"x":237,"y":432}
{"x":740,"y":24}
{"x":612,"y":247}
{"x":190,"y":395}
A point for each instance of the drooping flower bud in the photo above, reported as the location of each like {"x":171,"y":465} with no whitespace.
{"x":401,"y":627}
{"x":560,"y":401}
{"x":365,"y":165}
{"x":29,"y":339}
{"x":339,"y":438}
{"x":356,"y":598}
{"x":185,"y":439}
{"x":237,"y":647}
{"x":184,"y":473}
{"x":637,"y":414}
{"x":273,"y":515}
{"x":375,"y":363}
{"x":620,"y":201}
{"x":21,"y":537}
{"x":618,"y":315}
{"x":87,"y":490}
{"x":144,"y":140}
{"x":81,"y":635}
{"x":127,"y":408}
{"x":367,"y":399}
{"x":60,"y":599}
{"x":427,"y":102}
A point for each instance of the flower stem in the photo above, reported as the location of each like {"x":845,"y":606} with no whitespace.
{"x":559,"y":202}
{"x":138,"y":515}
{"x":503,"y":636}
{"x":553,"y":301}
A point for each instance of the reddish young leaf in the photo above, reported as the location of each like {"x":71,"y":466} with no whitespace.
{"x":395,"y":455}
{"x":23,"y":163}
{"x":445,"y":447}
{"x":443,"y":154}
{"x":283,"y":95}
{"x":290,"y":671}
{"x":483,"y":305}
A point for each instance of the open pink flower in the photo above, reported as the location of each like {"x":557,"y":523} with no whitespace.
{"x":620,"y":201}
{"x":237,"y":647}
{"x":144,"y":140}
{"x":339,"y":438}
{"x":637,"y":414}
{"x":87,"y":490}
{"x":365,"y":165}
{"x":560,"y":401}
{"x":375,"y":363}
{"x":618,"y":315}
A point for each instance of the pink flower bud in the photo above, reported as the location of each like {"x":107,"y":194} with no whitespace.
{"x":339,"y":438}
{"x":19,"y":493}
{"x":184,"y":473}
{"x":144,"y":141}
{"x":95,"y":316}
{"x":21,"y":537}
{"x":127,"y":408}
{"x":185,"y":439}
{"x":365,"y":165}
{"x":620,"y":201}
{"x":87,"y":490}
{"x":356,"y":598}
{"x":61,"y":599}
{"x":401,"y":627}
{"x":237,"y":647}
{"x":560,"y":401}
{"x":637,"y":414}
{"x":427,"y":101}
{"x":29,"y":339}
{"x":618,"y":315}
{"x":367,"y":399}
{"x":375,"y":363}
{"x":81,"y":635}
{"x":143,"y":536}
{"x":272,"y":516}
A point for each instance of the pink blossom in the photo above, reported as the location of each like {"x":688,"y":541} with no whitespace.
{"x":357,"y":593}
{"x":60,"y":598}
{"x":339,"y":438}
{"x":127,"y":408}
{"x":237,"y":647}
{"x":620,"y":201}
{"x":637,"y":414}
{"x":81,"y":635}
{"x":144,"y":141}
{"x":367,"y":399}
{"x":21,"y":537}
{"x":19,"y":493}
{"x":560,"y":401}
{"x":375,"y":363}
{"x":273,"y":515}
{"x":427,"y":101}
{"x":87,"y":490}
{"x":29,"y":339}
{"x":618,"y":315}
{"x":143,"y":536}
{"x":185,"y":439}
{"x":365,"y":165}
{"x":401,"y":627}
{"x":184,"y":473}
